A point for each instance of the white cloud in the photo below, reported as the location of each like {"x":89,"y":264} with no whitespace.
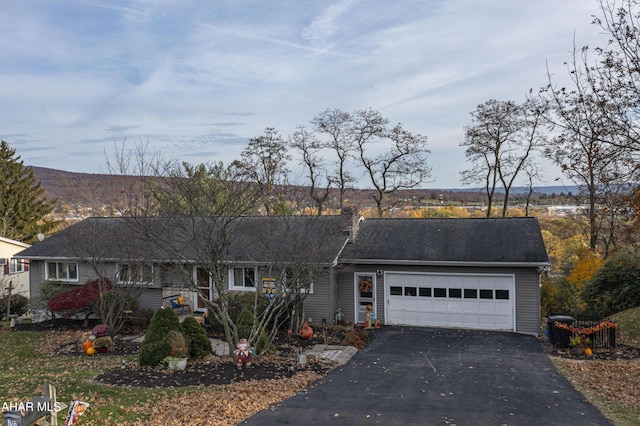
{"x":197,"y":78}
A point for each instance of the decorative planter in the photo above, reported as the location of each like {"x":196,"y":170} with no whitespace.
{"x":177,"y":363}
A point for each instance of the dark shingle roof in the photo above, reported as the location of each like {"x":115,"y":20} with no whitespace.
{"x":482,"y":240}
{"x":318,"y":239}
{"x":260,"y":238}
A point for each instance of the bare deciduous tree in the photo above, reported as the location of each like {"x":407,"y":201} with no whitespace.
{"x":500,"y":142}
{"x":585,"y":142}
{"x":336,"y":124}
{"x":202,"y":208}
{"x":264,"y":162}
{"x":403,"y":166}
{"x":309,"y":147}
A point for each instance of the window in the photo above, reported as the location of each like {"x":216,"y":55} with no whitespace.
{"x":302,"y":281}
{"x":395,"y":291}
{"x":61,"y":271}
{"x":135,"y":273}
{"x":410,"y":291}
{"x":455,"y":293}
{"x":486,"y":294}
{"x":440,"y":292}
{"x":243,"y":278}
{"x":15,"y":266}
{"x":470,"y":293}
{"x":502,"y":294}
{"x":424,"y":291}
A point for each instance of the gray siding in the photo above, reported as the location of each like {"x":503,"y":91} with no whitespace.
{"x":151,"y":298}
{"x":315,"y":304}
{"x":528,"y":301}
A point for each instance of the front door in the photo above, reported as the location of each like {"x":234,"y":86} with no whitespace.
{"x":204,"y":289}
{"x":365,"y":291}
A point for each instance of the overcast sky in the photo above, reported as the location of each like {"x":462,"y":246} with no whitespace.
{"x":197,"y":79}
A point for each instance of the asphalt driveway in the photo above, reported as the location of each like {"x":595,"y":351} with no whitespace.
{"x":433,"y":376}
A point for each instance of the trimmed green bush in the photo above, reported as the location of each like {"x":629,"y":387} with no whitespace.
{"x":197,"y":340}
{"x":156,"y":346}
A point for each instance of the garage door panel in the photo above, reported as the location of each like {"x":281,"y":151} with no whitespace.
{"x":473,"y":301}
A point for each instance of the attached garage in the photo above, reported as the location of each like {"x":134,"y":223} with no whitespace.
{"x":481,"y":301}
{"x":481,"y":273}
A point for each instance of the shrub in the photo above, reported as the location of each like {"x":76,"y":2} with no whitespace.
{"x":46,"y":290}
{"x":559,"y":296}
{"x":614,"y":287}
{"x":155,"y":346}
{"x":198,"y":341}
{"x":358,"y":337}
{"x":78,"y":298}
{"x":244,"y":325}
{"x":117,"y":298}
{"x":19,"y":305}
{"x":142,"y":318}
{"x":238,"y":301}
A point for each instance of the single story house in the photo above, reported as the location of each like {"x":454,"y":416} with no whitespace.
{"x":479,"y":273}
{"x":14,"y":272}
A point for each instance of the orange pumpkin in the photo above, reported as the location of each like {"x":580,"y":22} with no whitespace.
{"x":86,"y":345}
{"x":306,"y":332}
{"x":91,"y":351}
{"x":588,"y":352}
{"x":79,"y":408}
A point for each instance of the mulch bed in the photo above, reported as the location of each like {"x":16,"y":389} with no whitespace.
{"x":209,"y":372}
{"x":621,"y":351}
{"x":215,"y":372}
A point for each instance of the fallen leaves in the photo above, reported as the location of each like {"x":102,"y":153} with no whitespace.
{"x":606,"y":384}
{"x":224,"y":405}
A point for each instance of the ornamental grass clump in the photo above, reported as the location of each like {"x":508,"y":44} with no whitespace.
{"x":178,"y":344}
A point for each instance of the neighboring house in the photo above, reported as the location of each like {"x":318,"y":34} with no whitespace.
{"x":473,"y":273}
{"x":14,"y":272}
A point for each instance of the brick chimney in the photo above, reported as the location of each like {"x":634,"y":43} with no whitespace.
{"x":350,"y":221}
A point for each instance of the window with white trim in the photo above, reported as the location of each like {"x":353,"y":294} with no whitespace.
{"x":130,"y":273}
{"x":292,"y":282}
{"x":61,"y":271}
{"x":15,"y":266}
{"x":242,"y":279}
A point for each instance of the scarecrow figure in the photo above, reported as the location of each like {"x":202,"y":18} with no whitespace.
{"x":243,"y":354}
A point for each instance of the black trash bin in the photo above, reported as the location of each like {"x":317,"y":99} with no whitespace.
{"x":559,"y":337}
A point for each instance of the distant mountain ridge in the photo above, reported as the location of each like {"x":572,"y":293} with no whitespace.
{"x":91,"y":189}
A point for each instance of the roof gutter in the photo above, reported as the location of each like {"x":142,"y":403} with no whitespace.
{"x":444,"y":263}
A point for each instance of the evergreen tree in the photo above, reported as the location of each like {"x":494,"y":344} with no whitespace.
{"x":24,"y":208}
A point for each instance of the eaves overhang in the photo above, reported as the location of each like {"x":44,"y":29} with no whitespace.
{"x":444,"y":263}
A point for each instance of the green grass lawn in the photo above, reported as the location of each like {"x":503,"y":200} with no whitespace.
{"x":25,"y":368}
{"x":629,"y":321}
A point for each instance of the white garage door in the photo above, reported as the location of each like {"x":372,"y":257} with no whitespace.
{"x":467,"y":301}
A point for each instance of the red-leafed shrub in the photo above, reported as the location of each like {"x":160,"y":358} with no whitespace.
{"x":78,"y":299}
